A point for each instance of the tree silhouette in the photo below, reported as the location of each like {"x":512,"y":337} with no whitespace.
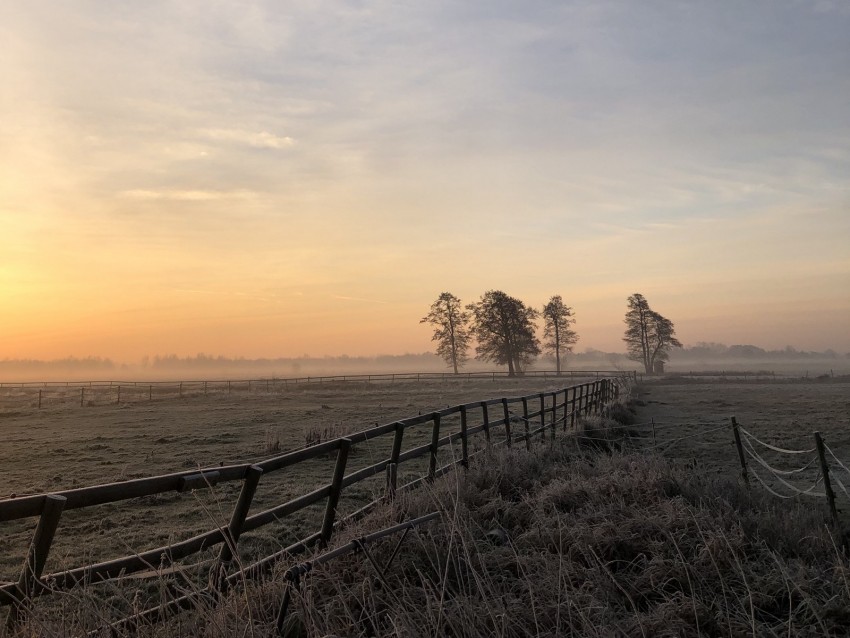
{"x":451,"y":329}
{"x":504,"y":329}
{"x":649,"y":335}
{"x":559,"y":337}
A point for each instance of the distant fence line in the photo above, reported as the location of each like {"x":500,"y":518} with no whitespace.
{"x":87,"y":393}
{"x":556,"y":408}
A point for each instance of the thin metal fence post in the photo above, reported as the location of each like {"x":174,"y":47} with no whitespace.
{"x":741,"y":456}
{"x":39,"y":399}
{"x":218,"y":576}
{"x":654,"y":440}
{"x":336,"y":491}
{"x":36,"y":558}
{"x":827,"y":484}
{"x":435,"y":442}
{"x":82,"y":396}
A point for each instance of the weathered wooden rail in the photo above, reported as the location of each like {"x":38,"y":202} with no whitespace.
{"x":494,"y":418}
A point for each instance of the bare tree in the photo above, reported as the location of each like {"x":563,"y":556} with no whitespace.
{"x":451,"y":329}
{"x":649,"y":335}
{"x":504,"y":329}
{"x":559,"y":337}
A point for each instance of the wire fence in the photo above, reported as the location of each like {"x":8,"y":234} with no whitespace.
{"x":789,"y":473}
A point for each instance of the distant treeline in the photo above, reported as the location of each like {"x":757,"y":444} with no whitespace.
{"x":69,"y":364}
{"x":715,"y":350}
{"x":699,"y":356}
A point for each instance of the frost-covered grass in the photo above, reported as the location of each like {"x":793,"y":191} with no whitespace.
{"x":573,"y":538}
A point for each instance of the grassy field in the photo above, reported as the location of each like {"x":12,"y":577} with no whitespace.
{"x":64,"y":446}
{"x":782,"y":414}
{"x":568,"y":539}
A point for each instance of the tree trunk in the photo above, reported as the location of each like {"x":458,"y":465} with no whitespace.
{"x":557,"y":349}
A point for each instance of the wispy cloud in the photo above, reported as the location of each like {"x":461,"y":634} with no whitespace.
{"x":189,"y":195}
{"x":347,"y":298}
{"x":262,"y":139}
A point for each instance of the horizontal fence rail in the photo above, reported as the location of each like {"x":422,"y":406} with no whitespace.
{"x":504,"y":421}
{"x":91,"y":393}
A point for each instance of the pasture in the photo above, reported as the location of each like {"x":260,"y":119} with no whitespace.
{"x":693,"y":425}
{"x":63,"y":446}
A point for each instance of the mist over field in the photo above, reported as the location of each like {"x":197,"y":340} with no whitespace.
{"x":702,"y":357}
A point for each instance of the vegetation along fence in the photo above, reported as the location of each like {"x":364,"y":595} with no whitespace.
{"x":505,"y":421}
{"x":812,"y":476}
{"x":90,"y":393}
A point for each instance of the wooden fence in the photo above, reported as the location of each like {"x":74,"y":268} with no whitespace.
{"x":90,"y":393}
{"x":505,"y":421}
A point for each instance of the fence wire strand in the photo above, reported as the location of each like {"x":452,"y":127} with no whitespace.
{"x":841,"y":485}
{"x":683,"y":438}
{"x":790,"y":486}
{"x":749,"y":449}
{"x":773,"y":447}
{"x":835,"y":458}
{"x":798,"y":491}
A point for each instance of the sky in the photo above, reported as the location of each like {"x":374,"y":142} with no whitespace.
{"x":281,"y":178}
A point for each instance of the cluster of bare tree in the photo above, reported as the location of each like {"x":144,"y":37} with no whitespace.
{"x":503,"y":328}
{"x":649,"y":335}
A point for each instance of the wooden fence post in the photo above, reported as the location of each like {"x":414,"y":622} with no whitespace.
{"x":36,"y":558}
{"x":554,"y":423}
{"x":150,"y":393}
{"x":218,"y":575}
{"x":507,"y":421}
{"x":542,"y":415}
{"x":827,"y":484}
{"x":464,"y":439}
{"x":741,"y":456}
{"x":435,"y":442}
{"x":654,"y":440}
{"x":181,"y":389}
{"x":336,"y":491}
{"x":485,"y":416}
{"x":82,"y":396}
{"x":525,"y":423}
{"x":573,"y":410}
{"x":392,"y":468}
{"x":39,"y":399}
{"x":118,"y":399}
